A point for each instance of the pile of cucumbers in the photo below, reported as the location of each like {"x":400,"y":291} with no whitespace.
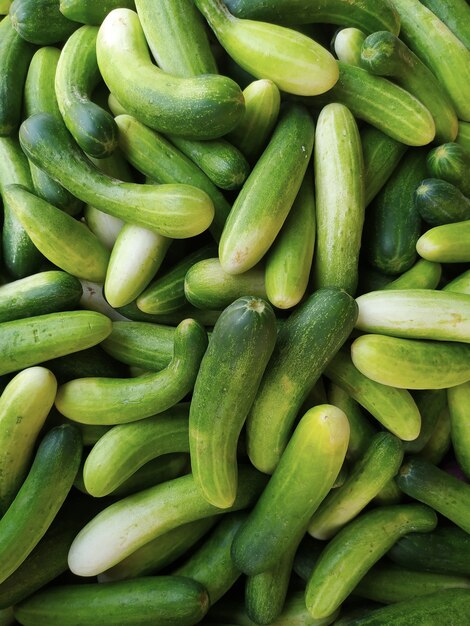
{"x":235,"y":312}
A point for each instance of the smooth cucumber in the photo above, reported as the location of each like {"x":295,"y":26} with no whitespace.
{"x":463,"y":138}
{"x":89,"y":362}
{"x":461,"y":284}
{"x":439,"y":443}
{"x":458,"y":399}
{"x":423,"y":275}
{"x":431,"y":403}
{"x":451,"y":162}
{"x":439,"y":202}
{"x":347,"y":44}
{"x":90,"y":11}
{"x":449,"y":243}
{"x":455,"y":14}
{"x":206,"y":317}
{"x":40,"y":21}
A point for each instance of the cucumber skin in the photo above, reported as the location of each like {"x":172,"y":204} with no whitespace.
{"x":439,"y":202}
{"x":451,"y":162}
{"x":448,"y":243}
{"x":423,"y":275}
{"x":455,"y":14}
{"x":90,"y":11}
{"x":458,"y":400}
{"x":40,"y":21}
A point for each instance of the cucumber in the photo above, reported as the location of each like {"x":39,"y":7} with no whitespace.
{"x":251,"y":134}
{"x":62,"y":239}
{"x":124,"y":449}
{"x":439,"y":202}
{"x":32,"y":340}
{"x":439,"y":442}
{"x":347,"y":44}
{"x":383,"y":54}
{"x":393,"y":225}
{"x":382,"y":104}
{"x":458,"y":398}
{"x":463,"y":138}
{"x":370,"y":474}
{"x":431,"y":403}
{"x":204,"y":317}
{"x":171,"y":210}
{"x":455,"y":14}
{"x":207,"y":286}
{"x":439,"y":49}
{"x":294,"y":62}
{"x":339,"y":182}
{"x":394,"y":408}
{"x":305,"y":474}
{"x":4,"y":7}
{"x":423,"y":275}
{"x":451,"y":163}
{"x":46,"y":292}
{"x":449,"y":243}
{"x":15,"y":57}
{"x":93,"y":128}
{"x":241,"y":344}
{"x":90,"y":362}
{"x":161,"y":469}
{"x":155,"y":601}
{"x":269,"y":193}
{"x":121,"y":400}
{"x":289,"y":261}
{"x":146,"y":515}
{"x":356,"y":548}
{"x":40,"y":21}
{"x":416,"y":314}
{"x":90,"y":11}
{"x":202,"y":107}
{"x":461,"y":284}
{"x":42,"y":494}
{"x":24,"y":405}
{"x":306,"y":344}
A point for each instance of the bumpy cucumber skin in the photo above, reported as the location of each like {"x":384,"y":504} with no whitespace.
{"x":448,"y":243}
{"x":459,"y":399}
{"x":241,"y":344}
{"x":439,"y":202}
{"x":40,"y":21}
{"x":451,"y":162}
{"x":90,"y":11}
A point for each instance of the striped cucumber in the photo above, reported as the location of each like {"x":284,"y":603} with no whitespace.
{"x":439,"y":202}
{"x":455,"y":14}
{"x":449,"y":243}
{"x":40,"y":21}
{"x":451,"y":163}
{"x":458,"y":399}
{"x":90,"y":11}
{"x":423,"y":275}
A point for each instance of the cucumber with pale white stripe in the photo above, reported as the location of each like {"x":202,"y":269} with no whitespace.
{"x":458,"y":399}
{"x":455,"y":14}
{"x":449,"y":243}
{"x":439,"y":202}
{"x":451,"y":162}
{"x":423,"y":275}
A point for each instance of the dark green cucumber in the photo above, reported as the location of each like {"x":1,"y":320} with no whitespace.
{"x":392,"y":224}
{"x":423,"y":275}
{"x":152,"y":601}
{"x":458,"y":399}
{"x":46,"y":292}
{"x":455,"y":14}
{"x":204,"y":317}
{"x":430,"y":403}
{"x":439,"y":202}
{"x":40,"y":21}
{"x":383,"y":54}
{"x":306,"y":344}
{"x":445,"y":493}
{"x":40,"y":497}
{"x":439,"y":443}
{"x":93,"y":128}
{"x":449,"y":243}
{"x":15,"y":57}
{"x":241,"y":344}
{"x":451,"y":162}
{"x":90,"y":11}
{"x":89,"y":362}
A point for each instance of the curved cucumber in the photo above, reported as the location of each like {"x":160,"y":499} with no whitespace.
{"x":339,"y":181}
{"x":171,"y":210}
{"x":305,"y":474}
{"x":121,"y":400}
{"x":458,"y":399}
{"x":40,"y":21}
{"x":451,"y":162}
{"x":423,"y":275}
{"x":90,"y":11}
{"x":439,"y":202}
{"x":32,"y":340}
{"x":93,"y":128}
{"x":456,"y":16}
{"x":356,"y":548}
{"x":145,"y":516}
{"x":449,"y":243}
{"x":42,"y":494}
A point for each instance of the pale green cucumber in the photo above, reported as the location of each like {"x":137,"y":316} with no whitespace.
{"x":339,"y":182}
{"x":461,"y":284}
{"x":411,"y":363}
{"x":127,"y":525}
{"x":423,"y":275}
{"x":440,"y":441}
{"x":289,"y":260}
{"x":431,"y":403}
{"x":355,"y":549}
{"x":458,"y":399}
{"x":394,"y":408}
{"x":456,"y":16}
{"x":268,"y":194}
{"x":347,"y":44}
{"x":370,"y":474}
{"x":121,"y":400}
{"x":449,"y":243}
{"x":416,"y":314}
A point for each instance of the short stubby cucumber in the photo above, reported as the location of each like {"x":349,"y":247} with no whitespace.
{"x":439,"y":202}
{"x":347,"y":43}
{"x":449,"y":243}
{"x":458,"y":399}
{"x":451,"y":163}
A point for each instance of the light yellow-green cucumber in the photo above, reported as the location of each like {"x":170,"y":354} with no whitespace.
{"x":423,"y":275}
{"x":449,"y":243}
{"x":459,"y":409}
{"x":347,"y":44}
{"x":461,"y":284}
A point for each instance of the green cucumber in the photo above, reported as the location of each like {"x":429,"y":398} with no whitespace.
{"x":32,"y":340}
{"x":40,"y":21}
{"x":439,"y":443}
{"x":161,"y":469}
{"x":205,"y":317}
{"x":262,"y":103}
{"x":382,"y":104}
{"x":461,"y":284}
{"x":458,"y":398}
{"x":241,"y":344}
{"x":370,"y":474}
{"x":423,"y":275}
{"x":130,"y":523}
{"x":463,"y":138}
{"x":124,"y":449}
{"x":62,"y":239}
{"x":383,"y":54}
{"x":294,"y":62}
{"x":46,"y":292}
{"x":305,"y":474}
{"x":201,"y":107}
{"x":347,"y":44}
{"x":93,"y":128}
{"x":40,"y":497}
{"x":339,"y":182}
{"x":306,"y":344}
{"x":121,"y":400}
{"x":451,"y":163}
{"x":394,"y":408}
{"x":439,"y":202}
{"x":431,"y":403}
{"x":171,"y":210}
{"x":289,"y":260}
{"x":90,"y":362}
{"x":449,"y":496}
{"x":207,"y":286}
{"x":390,"y":494}
{"x":382,"y":154}
{"x":15,"y":57}
{"x":449,"y":243}
{"x":455,"y":14}
{"x":363,"y":14}
{"x":90,"y":11}
{"x":356,"y":548}
{"x":153,"y":601}
{"x":269,"y":193}
{"x":24,"y":405}
{"x":416,"y":314}
{"x":4,"y":7}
